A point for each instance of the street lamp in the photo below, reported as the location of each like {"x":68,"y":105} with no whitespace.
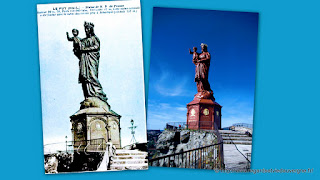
{"x":133,"y":139}
{"x":66,"y":144}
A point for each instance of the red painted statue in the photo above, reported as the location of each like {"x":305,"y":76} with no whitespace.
{"x":202,"y":62}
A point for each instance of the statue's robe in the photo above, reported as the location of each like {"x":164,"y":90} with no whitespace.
{"x":89,"y":64}
{"x":202,"y":73}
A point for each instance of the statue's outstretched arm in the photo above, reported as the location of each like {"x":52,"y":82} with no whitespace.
{"x":69,"y":38}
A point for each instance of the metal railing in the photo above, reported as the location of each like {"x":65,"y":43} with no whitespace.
{"x":248,"y":160}
{"x":195,"y":125}
{"x":247,"y":156}
{"x":93,"y":145}
{"x":207,"y":157}
{"x":220,"y":140}
{"x":243,"y":125}
{"x":176,"y":125}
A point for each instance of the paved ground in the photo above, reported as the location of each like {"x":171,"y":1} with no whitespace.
{"x":233,"y":159}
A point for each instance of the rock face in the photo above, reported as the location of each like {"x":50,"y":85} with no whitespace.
{"x":170,"y":142}
{"x":51,"y":165}
{"x":58,"y":162}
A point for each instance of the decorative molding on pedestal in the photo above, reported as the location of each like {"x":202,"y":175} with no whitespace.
{"x":95,"y":123}
{"x":203,"y":113}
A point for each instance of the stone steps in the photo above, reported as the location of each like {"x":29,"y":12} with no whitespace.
{"x":129,"y":160}
{"x":230,"y":132}
{"x":237,"y":142}
{"x":130,"y":153}
{"x":236,"y":137}
{"x":130,"y":157}
{"x":129,"y":166}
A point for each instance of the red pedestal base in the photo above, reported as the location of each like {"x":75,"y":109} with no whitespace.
{"x":203,"y":113}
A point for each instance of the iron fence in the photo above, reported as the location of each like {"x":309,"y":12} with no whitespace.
{"x":195,"y":125}
{"x":243,"y":125}
{"x":176,"y":126}
{"x":93,"y":145}
{"x":207,"y":157}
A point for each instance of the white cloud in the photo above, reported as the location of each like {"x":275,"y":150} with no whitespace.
{"x":236,"y":110}
{"x":161,"y":113}
{"x":168,"y":86}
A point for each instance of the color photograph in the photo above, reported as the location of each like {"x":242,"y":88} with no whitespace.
{"x":202,"y":88}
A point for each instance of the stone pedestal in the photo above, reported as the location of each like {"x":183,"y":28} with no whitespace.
{"x":203,"y":112}
{"x":93,"y":125}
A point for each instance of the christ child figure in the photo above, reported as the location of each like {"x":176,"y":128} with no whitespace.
{"x":195,"y":57}
{"x":76,"y":42}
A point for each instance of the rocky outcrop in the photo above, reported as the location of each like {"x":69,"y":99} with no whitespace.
{"x":51,"y":165}
{"x":57,"y":162}
{"x":170,"y":142}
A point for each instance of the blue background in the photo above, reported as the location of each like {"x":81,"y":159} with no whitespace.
{"x":286,"y":120}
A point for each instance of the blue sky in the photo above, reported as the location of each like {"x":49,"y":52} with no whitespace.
{"x":232,"y":42}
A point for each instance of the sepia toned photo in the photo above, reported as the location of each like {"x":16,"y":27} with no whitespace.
{"x":92,"y":86}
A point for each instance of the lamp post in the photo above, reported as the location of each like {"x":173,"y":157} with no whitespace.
{"x":133,"y":139}
{"x":66,"y":144}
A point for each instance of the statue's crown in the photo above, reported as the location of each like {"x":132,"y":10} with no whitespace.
{"x":88,"y":24}
{"x":203,"y":44}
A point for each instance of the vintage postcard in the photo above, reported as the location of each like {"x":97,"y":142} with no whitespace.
{"x":201,"y":88}
{"x":92,"y":86}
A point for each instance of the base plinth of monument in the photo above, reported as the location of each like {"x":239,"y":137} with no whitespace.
{"x":93,"y":127}
{"x":204,"y":95}
{"x":204,"y":112}
{"x":94,"y":102}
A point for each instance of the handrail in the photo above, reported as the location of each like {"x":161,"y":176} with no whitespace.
{"x":176,"y":125}
{"x":220,"y":140}
{"x":84,"y":150}
{"x":243,"y":125}
{"x":72,"y":141}
{"x":79,"y":148}
{"x":99,"y":146}
{"x":206,"y":157}
{"x":179,"y":153}
{"x":249,"y":162}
